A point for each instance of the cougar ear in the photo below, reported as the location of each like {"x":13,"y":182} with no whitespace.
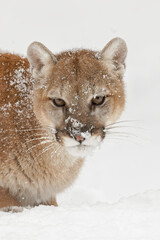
{"x":115,"y":53}
{"x":40,"y":58}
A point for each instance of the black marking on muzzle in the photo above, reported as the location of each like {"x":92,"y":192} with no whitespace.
{"x":104,"y":132}
{"x":56,"y":135}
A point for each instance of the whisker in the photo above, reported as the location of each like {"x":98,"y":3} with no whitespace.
{"x":125,"y":134}
{"x":31,"y":140}
{"x":121,"y":139}
{"x":118,"y":135}
{"x":122,"y":121}
{"x":39,"y":134}
{"x":111,"y":129}
{"x":38,"y":144}
{"x":135,"y":127}
{"x":45,"y":135}
{"x":53,"y":129}
{"x":55,"y":151}
{"x":35,"y":129}
{"x":46,"y":149}
{"x":31,"y":129}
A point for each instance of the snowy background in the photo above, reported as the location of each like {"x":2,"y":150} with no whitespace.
{"x":117,"y":194}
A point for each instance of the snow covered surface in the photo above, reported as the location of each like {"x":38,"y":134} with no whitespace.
{"x":137,"y":217}
{"x":127,"y":166}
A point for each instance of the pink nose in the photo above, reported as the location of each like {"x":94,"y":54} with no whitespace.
{"x":79,"y":138}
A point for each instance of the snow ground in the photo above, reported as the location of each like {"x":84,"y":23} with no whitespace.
{"x":116,"y":196}
{"x":136,"y":217}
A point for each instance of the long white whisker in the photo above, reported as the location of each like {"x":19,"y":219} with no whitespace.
{"x":42,"y":142}
{"x":114,"y":127}
{"x":39,"y":134}
{"x":35,"y":129}
{"x":123,"y":121}
{"x":121,"y":139}
{"x":31,"y":129}
{"x":123,"y":134}
{"x":55,"y":151}
{"x":31,"y":140}
{"x":46,"y":149}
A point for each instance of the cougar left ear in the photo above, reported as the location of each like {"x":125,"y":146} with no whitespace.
{"x":40,"y":58}
{"x":115,"y":53}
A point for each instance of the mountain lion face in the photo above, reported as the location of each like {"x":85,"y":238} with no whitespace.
{"x":78,"y":93}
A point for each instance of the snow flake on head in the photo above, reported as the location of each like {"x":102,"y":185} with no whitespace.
{"x":72,"y":110}
{"x":6,"y":107}
{"x":75,"y":123}
{"x":74,"y":104}
{"x":69,"y":53}
{"x":76,"y":96}
{"x":105,"y":76}
{"x":19,"y":80}
{"x":86,"y":134}
{"x":85,"y":91}
{"x":98,"y":55}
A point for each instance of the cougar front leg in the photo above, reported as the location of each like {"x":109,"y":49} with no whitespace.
{"x":6,"y":200}
{"x":53,"y":202}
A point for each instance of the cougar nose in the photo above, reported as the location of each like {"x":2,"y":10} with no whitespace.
{"x":79,"y":138}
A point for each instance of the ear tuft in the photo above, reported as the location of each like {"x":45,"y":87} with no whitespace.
{"x":115,"y":52}
{"x":40,"y":58}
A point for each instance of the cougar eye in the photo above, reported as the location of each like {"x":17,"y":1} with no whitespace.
{"x":58,"y":102}
{"x":98,"y":100}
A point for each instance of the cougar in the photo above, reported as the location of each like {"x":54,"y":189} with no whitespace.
{"x":54,"y":110}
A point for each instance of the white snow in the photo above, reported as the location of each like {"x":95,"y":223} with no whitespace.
{"x":117,"y":195}
{"x":136,"y":217}
{"x":76,"y":123}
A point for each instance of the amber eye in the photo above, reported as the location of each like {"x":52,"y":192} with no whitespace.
{"x":98,"y":100}
{"x":58,"y":102}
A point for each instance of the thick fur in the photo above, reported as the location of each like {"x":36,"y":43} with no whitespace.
{"x":39,"y":154}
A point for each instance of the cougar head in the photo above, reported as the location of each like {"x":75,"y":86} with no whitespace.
{"x":79,"y":92}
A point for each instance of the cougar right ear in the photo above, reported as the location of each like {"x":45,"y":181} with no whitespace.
{"x":40,"y":58}
{"x":114,"y":53}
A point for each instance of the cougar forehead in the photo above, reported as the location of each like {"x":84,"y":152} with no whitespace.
{"x":76,"y":75}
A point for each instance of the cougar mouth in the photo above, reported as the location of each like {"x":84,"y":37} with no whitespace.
{"x":80,"y":143}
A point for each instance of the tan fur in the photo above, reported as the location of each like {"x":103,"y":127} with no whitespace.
{"x":35,"y":163}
